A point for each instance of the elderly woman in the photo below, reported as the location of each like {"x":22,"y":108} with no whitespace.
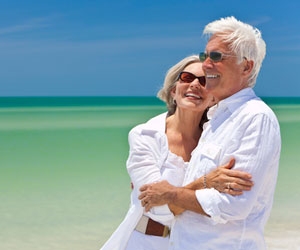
{"x":161,"y":149}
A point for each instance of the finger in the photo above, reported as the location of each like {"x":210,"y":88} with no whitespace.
{"x":230,"y":164}
{"x":234,"y":192}
{"x":241,"y":181}
{"x":142,"y":195}
{"x":144,"y":202}
{"x":144,"y":187}
{"x":240,"y":187}
{"x":148,"y":207}
{"x":239,"y":174}
{"x":146,"y":199}
{"x":227,"y":179}
{"x":237,"y":183}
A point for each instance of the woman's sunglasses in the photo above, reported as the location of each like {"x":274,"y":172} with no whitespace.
{"x":215,"y":56}
{"x":188,"y":77}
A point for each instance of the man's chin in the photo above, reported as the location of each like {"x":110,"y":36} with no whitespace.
{"x":210,"y":87}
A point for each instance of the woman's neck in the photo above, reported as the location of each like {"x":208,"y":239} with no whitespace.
{"x":186,"y":123}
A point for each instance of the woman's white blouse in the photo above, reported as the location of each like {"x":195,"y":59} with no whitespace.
{"x":149,"y":161}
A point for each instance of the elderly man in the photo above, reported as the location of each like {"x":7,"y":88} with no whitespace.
{"x":241,"y":126}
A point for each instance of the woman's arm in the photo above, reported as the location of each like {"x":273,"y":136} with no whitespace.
{"x":225,"y":180}
{"x":143,"y":165}
{"x":143,"y":161}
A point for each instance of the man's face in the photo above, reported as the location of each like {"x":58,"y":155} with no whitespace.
{"x":226,"y":77}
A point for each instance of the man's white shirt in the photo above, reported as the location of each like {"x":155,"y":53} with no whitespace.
{"x":244,"y":127}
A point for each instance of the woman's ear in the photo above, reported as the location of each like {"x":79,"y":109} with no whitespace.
{"x":173,"y":92}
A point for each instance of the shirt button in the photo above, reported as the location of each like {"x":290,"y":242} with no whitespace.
{"x":172,"y":243}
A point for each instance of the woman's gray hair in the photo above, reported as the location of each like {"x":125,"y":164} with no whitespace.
{"x":243,"y":39}
{"x":170,"y":82}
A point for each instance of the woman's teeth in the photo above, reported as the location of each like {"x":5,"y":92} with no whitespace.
{"x":192,"y":95}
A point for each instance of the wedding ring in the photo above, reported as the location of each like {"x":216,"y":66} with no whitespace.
{"x":228,"y":186}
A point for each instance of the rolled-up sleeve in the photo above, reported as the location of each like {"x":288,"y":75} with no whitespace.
{"x":143,"y":166}
{"x":256,"y":152}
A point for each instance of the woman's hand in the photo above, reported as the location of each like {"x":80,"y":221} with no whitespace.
{"x":226,"y":180}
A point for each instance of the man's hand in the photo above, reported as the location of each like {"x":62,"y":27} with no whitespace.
{"x":156,"y":194}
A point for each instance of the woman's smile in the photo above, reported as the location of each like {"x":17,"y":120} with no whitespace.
{"x":192,"y":96}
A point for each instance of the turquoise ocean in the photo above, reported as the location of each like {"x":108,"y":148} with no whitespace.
{"x":63,"y":179}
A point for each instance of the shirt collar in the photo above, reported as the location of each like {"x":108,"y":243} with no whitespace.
{"x":232,"y":102}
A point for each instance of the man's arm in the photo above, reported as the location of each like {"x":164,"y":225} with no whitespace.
{"x":164,"y":193}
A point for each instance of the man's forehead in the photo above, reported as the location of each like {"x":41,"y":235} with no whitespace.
{"x":216,"y":43}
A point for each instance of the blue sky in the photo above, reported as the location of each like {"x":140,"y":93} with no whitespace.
{"x":116,"y":48}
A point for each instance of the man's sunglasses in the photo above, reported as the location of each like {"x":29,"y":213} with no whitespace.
{"x":215,"y":56}
{"x":188,"y":77}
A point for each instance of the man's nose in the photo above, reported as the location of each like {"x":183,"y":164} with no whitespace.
{"x":207,"y":64}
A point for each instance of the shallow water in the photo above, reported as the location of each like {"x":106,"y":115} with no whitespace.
{"x":64,"y":183}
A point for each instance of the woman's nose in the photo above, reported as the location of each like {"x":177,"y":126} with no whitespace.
{"x":195,"y":83}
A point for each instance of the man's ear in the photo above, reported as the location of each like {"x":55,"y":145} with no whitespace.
{"x":248,"y":67}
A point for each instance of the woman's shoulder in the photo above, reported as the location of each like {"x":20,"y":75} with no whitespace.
{"x":150,"y":134}
{"x":152,"y":126}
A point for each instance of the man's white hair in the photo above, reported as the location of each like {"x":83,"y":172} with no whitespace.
{"x":244,"y":41}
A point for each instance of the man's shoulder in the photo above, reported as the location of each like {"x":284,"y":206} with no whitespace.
{"x":257,"y":108}
{"x":245,"y":104}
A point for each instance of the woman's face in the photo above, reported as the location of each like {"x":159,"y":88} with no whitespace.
{"x":192,"y":95}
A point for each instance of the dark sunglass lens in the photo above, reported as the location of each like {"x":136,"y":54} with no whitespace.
{"x":202,"y":80}
{"x":186,"y":77}
{"x":215,"y":56}
{"x":202,"y":56}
